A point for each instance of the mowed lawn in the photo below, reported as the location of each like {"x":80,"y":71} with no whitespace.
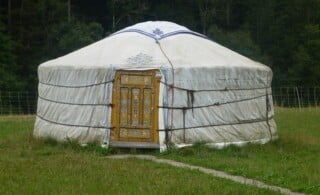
{"x":30,"y":166}
{"x":292,"y":161}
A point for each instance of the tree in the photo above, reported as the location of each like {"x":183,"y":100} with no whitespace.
{"x":306,"y":59}
{"x":65,"y":37}
{"x":127,"y":12}
{"x":239,"y":41}
{"x":8,"y":67}
{"x":41,"y":31}
{"x":207,"y":12}
{"x":282,"y":34}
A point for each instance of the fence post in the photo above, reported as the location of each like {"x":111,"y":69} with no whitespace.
{"x":19,"y":104}
{"x":10,"y":109}
{"x":288,"y":97}
{"x":28,"y":106}
{"x":281,"y":102}
{"x":315,"y":97}
{"x":294,"y":89}
{"x":301,"y":96}
{"x":308,"y":95}
{"x":298,"y":98}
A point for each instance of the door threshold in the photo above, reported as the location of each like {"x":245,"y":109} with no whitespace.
{"x":122,"y":144}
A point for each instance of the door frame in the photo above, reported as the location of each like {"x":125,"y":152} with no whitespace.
{"x":115,"y":133}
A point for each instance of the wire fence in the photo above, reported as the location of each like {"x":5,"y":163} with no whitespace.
{"x":18,"y":103}
{"x":296,"y":97}
{"x":25,"y":103}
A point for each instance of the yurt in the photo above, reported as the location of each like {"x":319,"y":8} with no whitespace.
{"x":152,"y":85}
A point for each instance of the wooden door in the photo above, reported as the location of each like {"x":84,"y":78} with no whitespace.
{"x":135,"y":112}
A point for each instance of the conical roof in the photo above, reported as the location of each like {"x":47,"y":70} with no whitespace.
{"x":152,"y":45}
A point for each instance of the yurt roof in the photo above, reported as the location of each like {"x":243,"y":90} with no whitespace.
{"x":154,"y":44}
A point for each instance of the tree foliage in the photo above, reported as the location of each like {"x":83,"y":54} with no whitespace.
{"x":282,"y":34}
{"x":67,"y":36}
{"x":239,"y":40}
{"x":8,"y":66}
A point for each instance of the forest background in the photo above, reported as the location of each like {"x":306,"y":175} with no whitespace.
{"x":285,"y":34}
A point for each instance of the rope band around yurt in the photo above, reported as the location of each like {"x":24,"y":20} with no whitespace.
{"x":77,"y":86}
{"x":222,"y":124}
{"x":215,"y":104}
{"x":208,"y":90}
{"x":72,"y":125}
{"x":107,"y":129}
{"x":70,"y":103}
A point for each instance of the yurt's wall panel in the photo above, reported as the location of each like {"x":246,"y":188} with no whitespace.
{"x":74,"y":103}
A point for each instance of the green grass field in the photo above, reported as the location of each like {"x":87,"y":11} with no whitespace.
{"x":31,"y":166}
{"x":292,"y":161}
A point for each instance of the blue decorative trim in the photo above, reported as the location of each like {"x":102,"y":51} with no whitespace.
{"x":158,"y":34}
{"x":135,"y":30}
{"x":183,"y":32}
{"x":157,"y":31}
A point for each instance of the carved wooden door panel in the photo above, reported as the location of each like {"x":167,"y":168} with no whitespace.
{"x":135,"y":112}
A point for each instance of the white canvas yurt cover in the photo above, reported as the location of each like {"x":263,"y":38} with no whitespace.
{"x":151,"y":84}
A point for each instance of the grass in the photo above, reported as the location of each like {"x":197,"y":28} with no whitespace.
{"x":31,"y":166}
{"x":292,"y":161}
{"x":34,"y":166}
